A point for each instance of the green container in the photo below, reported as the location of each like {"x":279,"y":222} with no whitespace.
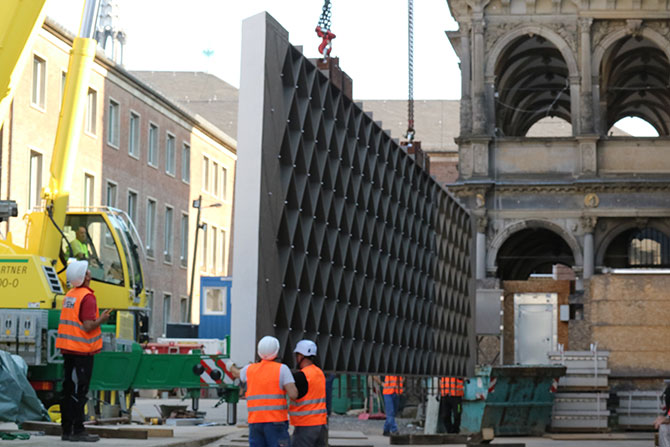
{"x":349,"y":392}
{"x":514,"y":400}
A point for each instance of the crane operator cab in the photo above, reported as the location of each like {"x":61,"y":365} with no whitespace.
{"x":108,"y":240}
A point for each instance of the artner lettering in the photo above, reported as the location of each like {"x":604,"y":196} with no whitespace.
{"x":13,"y":269}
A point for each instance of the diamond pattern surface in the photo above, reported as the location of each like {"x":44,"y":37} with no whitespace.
{"x":374,"y":256}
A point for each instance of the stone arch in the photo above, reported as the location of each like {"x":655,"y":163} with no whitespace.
{"x":621,"y":228}
{"x":646,"y":32}
{"x":525,"y":30}
{"x":507,"y":232}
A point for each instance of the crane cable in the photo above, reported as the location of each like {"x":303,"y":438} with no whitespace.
{"x":323,"y":30}
{"x":410,"y":73}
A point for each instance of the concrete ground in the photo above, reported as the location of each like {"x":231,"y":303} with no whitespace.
{"x":216,"y":435}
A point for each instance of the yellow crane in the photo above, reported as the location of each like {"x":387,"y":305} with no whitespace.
{"x":28,"y":273}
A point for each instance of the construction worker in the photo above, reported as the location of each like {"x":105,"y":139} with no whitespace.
{"x":80,"y":245}
{"x":451,"y":397}
{"x":392,"y":388}
{"x":309,"y":413}
{"x":79,"y":339}
{"x":268,"y":384}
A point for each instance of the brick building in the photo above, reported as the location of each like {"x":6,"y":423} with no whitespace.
{"x":139,"y":152}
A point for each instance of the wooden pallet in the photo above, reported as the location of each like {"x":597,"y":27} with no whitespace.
{"x":123,"y":432}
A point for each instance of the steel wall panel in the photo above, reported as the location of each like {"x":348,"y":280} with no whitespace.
{"x":359,"y":248}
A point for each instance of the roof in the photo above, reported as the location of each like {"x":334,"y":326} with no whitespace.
{"x":201,"y":93}
{"x":436,"y":121}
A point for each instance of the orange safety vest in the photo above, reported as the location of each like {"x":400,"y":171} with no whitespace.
{"x":451,"y":386}
{"x":311,"y":408}
{"x":266,"y":401}
{"x":71,"y":333}
{"x":393,"y":385}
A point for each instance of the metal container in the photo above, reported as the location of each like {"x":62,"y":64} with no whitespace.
{"x":580,"y":402}
{"x":638,"y":409}
{"x":513,"y":400}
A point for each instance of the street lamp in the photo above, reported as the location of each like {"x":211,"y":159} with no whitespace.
{"x":197,"y":204}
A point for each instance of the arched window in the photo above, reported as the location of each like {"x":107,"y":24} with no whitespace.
{"x":531,"y":84}
{"x":639,"y":248}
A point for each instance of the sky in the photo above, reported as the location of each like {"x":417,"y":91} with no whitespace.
{"x":371,"y":39}
{"x":371,"y":42}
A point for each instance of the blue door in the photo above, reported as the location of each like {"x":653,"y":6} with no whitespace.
{"x":215,"y":307}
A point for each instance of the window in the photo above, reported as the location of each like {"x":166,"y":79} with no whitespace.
{"x":186,"y":163}
{"x":132,"y":206}
{"x":134,"y":135}
{"x":224,"y":265}
{"x":152,"y":156}
{"x":213,"y":263}
{"x":639,"y":248}
{"x":203,"y":249}
{"x":89,"y":190}
{"x":150,"y":301}
{"x":63,"y":80}
{"x":39,"y":82}
{"x":113,"y":122}
{"x":215,"y":179}
{"x":205,"y":174}
{"x":91,"y":109}
{"x":224,"y":184}
{"x":183,"y":242}
{"x":170,"y":155}
{"x":151,"y":227}
{"x":166,"y":310}
{"x":111,"y":194}
{"x":215,"y":302}
{"x":167,"y":235}
{"x":35,"y":189}
{"x":105,"y":265}
{"x":183,"y":307}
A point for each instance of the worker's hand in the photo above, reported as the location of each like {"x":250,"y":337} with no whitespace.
{"x":661,"y":420}
{"x":235,"y":371}
{"x":104,"y":316}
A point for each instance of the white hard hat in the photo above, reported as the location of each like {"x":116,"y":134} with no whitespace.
{"x":268,"y":348}
{"x":306,"y":348}
{"x":76,"y":272}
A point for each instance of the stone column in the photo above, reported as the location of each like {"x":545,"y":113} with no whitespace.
{"x":586,"y":94}
{"x":589,"y":225}
{"x":466,"y":95}
{"x":480,"y":271}
{"x":478,"y":65}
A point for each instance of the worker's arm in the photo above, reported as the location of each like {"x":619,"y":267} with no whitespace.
{"x":291,"y":390}
{"x":377,"y":380}
{"x":89,"y":325}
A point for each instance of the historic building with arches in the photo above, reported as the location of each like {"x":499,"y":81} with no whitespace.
{"x":590,"y":200}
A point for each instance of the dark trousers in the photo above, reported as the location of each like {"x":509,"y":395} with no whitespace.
{"x":78,"y":370}
{"x":450,"y":413}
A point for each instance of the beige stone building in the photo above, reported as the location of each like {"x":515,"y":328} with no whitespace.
{"x":592,"y":200}
{"x":139,"y":152}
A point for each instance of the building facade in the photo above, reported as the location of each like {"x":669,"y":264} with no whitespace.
{"x":138,"y":152}
{"x":592,"y":201}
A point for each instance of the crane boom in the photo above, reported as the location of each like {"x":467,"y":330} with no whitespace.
{"x":19,"y":23}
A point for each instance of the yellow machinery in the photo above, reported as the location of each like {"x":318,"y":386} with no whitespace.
{"x":32,"y":278}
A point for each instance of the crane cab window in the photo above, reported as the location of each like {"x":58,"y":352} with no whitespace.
{"x":89,"y":238}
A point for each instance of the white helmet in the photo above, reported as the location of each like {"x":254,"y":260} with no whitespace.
{"x":306,"y":348}
{"x":76,"y":272}
{"x":268,"y":348}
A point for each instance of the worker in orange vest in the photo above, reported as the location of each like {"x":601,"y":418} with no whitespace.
{"x":451,"y":397}
{"x":392,"y":388}
{"x":268,"y":384}
{"x":308,"y":413}
{"x":79,"y":339}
